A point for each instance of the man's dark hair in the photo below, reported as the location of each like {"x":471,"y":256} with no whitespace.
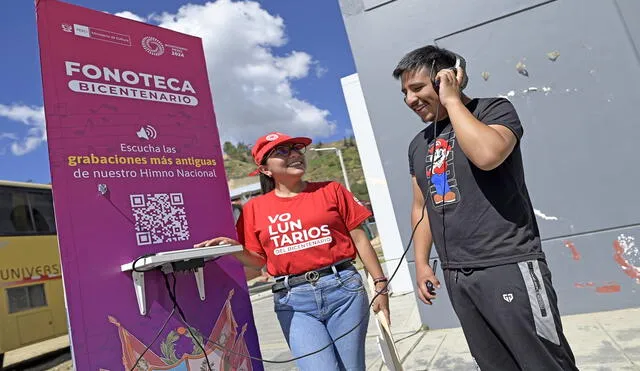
{"x":424,"y":57}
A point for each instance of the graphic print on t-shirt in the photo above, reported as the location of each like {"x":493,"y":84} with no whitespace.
{"x":443,"y":188}
{"x":288,"y":235}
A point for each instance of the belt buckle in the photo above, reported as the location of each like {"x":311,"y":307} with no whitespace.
{"x":312,"y":276}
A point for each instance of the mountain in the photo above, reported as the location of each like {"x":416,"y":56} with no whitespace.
{"x":321,"y":166}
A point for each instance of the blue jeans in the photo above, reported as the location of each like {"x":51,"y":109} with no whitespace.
{"x":311,"y":315}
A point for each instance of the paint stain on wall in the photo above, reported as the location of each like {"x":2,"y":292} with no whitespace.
{"x":627,"y":255}
{"x":553,"y":56}
{"x":583,"y":285}
{"x":522,"y":69}
{"x":575,"y":254}
{"x":544,"y":216}
{"x":608,"y":289}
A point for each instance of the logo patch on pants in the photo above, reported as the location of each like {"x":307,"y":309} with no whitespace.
{"x":508,"y":297}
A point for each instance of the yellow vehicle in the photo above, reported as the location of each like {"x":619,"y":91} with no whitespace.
{"x":32,"y":307}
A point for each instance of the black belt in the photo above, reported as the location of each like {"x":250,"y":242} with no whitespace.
{"x":310,"y":276}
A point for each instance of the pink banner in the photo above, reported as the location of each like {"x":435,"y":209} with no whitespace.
{"x":137,"y":169}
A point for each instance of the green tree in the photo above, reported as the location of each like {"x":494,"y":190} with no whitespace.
{"x":244,"y":151}
{"x":229,"y":149}
{"x":360,"y":191}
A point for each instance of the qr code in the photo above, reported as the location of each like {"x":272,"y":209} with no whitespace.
{"x":159,"y":218}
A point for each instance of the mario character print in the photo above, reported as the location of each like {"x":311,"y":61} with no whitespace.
{"x":440,"y":170}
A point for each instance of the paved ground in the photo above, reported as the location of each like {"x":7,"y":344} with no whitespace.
{"x":36,"y":350}
{"x":601,"y":341}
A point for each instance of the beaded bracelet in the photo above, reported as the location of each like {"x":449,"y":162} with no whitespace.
{"x":380,"y":279}
{"x":384,"y":291}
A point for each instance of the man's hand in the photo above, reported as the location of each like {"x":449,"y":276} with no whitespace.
{"x":449,"y":89}
{"x":423,"y":276}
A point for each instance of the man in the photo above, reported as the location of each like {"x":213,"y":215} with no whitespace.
{"x":467,"y":171}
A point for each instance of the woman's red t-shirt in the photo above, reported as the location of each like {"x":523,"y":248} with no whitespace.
{"x":305,"y":232}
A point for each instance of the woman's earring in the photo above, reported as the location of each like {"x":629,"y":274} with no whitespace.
{"x":265,"y":172}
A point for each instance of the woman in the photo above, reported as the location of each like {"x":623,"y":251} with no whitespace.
{"x":308,"y":234}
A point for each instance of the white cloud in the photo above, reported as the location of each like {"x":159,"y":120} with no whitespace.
{"x":320,"y":70}
{"x":8,"y":136}
{"x":33,"y":118}
{"x":127,"y":14}
{"x":251,"y":83}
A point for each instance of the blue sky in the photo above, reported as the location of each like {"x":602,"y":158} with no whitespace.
{"x":303,"y":48}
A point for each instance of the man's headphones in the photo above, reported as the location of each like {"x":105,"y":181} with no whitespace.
{"x":460,"y":62}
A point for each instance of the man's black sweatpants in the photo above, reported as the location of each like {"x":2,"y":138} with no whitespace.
{"x":509,"y":315}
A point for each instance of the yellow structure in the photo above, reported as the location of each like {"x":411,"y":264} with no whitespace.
{"x":32,"y":307}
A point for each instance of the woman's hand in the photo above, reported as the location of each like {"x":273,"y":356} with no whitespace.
{"x":381,"y":302}
{"x":247,"y":258}
{"x":217,"y":241}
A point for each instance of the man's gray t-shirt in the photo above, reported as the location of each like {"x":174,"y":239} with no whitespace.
{"x":478,"y":218}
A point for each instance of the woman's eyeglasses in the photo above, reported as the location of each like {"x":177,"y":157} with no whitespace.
{"x":285,"y":149}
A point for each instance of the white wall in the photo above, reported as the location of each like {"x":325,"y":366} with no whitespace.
{"x":377,"y":185}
